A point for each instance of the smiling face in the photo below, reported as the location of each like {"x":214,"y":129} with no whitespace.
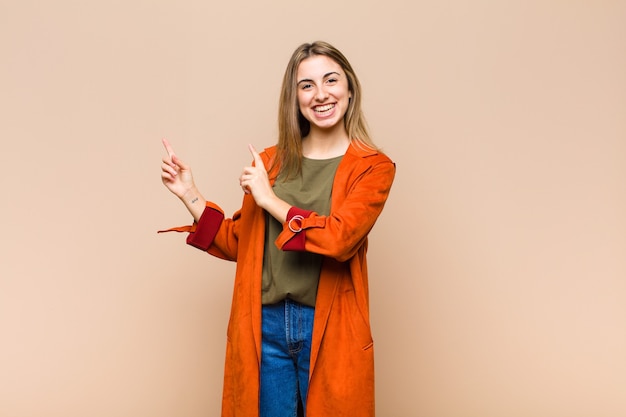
{"x":323,"y":93}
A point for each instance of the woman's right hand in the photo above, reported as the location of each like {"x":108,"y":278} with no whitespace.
{"x":175,"y":174}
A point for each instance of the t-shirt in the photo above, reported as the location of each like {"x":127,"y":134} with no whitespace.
{"x":293,"y":274}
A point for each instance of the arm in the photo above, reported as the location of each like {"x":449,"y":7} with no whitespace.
{"x":358,"y":199}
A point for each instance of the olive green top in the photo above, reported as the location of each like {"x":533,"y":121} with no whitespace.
{"x":292,"y":274}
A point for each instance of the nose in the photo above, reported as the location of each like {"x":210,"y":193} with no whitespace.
{"x":321,"y":94}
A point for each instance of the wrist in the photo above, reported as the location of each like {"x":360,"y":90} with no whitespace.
{"x":190,"y":195}
{"x":276,"y":207}
{"x":267,"y":202}
{"x":194,"y":202}
{"x":193,"y":199}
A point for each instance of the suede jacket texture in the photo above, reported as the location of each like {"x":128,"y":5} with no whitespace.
{"x":342,"y":355}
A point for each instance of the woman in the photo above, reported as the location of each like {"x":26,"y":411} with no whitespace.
{"x":299,"y":339}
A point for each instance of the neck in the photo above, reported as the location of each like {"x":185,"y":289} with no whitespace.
{"x":324,"y":144}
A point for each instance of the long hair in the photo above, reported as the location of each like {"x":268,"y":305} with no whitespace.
{"x":292,"y":126}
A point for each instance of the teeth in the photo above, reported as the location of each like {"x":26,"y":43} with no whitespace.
{"x":322,"y":109}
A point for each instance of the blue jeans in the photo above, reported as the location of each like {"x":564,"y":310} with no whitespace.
{"x":287,"y":329}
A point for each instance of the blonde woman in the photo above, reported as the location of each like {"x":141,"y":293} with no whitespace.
{"x":299,"y":339}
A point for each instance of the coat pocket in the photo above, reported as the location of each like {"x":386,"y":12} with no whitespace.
{"x":359,"y":326}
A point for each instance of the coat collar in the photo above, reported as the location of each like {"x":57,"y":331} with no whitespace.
{"x":356,"y":148}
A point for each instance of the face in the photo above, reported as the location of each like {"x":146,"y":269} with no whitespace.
{"x":323,"y":94}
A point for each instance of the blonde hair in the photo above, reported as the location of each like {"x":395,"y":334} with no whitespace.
{"x":292,"y":126}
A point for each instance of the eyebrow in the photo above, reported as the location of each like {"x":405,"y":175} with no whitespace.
{"x":325,"y":76}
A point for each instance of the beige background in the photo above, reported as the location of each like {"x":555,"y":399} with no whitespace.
{"x":498,"y":269}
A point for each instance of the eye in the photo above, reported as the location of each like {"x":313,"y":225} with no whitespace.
{"x":306,"y":86}
{"x":331,"y":81}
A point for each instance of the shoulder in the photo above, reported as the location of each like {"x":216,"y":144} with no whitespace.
{"x":361,"y":154}
{"x":269,"y":153}
{"x":271,"y":150}
{"x":366,"y":165}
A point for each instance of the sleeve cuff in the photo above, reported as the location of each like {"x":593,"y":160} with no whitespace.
{"x":206,"y":229}
{"x":295,"y":218}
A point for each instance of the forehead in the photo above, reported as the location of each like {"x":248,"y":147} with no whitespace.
{"x":317,"y":66}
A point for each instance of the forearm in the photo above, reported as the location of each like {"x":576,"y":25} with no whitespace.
{"x":276,"y":207}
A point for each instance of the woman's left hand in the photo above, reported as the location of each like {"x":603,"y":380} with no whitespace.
{"x":254,"y":180}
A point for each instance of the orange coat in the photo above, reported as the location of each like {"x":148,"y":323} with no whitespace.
{"x":342,"y":361}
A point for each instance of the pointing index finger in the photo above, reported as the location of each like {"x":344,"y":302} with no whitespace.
{"x":168,"y":147}
{"x":257,"y":158}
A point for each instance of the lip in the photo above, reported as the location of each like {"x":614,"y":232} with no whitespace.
{"x":325,"y":113}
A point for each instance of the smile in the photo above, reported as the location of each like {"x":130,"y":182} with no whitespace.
{"x":324,"y":108}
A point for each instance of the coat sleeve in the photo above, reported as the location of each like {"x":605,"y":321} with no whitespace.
{"x":213,"y":233}
{"x":220,"y":237}
{"x":340,"y":234}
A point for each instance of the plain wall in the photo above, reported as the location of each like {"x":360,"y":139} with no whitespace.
{"x":498,"y":268}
